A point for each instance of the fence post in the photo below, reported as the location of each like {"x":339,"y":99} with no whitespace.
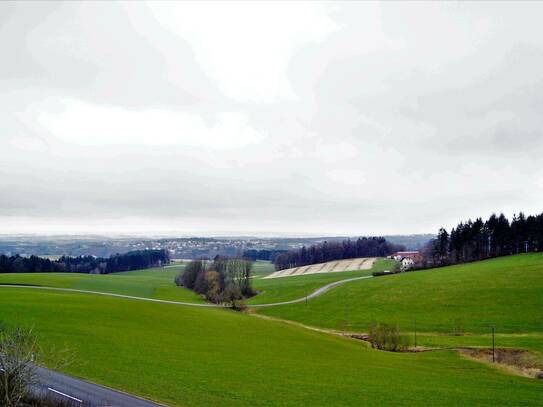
{"x":415,"y":333}
{"x":493,"y":344}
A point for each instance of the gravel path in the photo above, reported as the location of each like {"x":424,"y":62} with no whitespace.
{"x":314,"y":294}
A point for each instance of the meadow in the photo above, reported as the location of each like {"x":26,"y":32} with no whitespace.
{"x":151,"y":283}
{"x":188,"y":356}
{"x":447,"y":303}
{"x":159,"y":282}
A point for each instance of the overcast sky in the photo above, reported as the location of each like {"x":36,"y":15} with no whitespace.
{"x":268,"y":118}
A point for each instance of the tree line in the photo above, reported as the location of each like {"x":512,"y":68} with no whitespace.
{"x":262,"y":254}
{"x":328,"y":251}
{"x":134,"y":260}
{"x":478,"y":240}
{"x":226,"y":279}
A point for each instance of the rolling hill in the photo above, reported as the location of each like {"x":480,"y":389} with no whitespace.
{"x":506,"y":292}
{"x":186,"y":356}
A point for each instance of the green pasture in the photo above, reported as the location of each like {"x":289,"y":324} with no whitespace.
{"x":189,"y":356}
{"x":505,"y":292}
{"x":152,"y":283}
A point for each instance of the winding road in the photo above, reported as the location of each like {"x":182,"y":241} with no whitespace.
{"x":314,"y":294}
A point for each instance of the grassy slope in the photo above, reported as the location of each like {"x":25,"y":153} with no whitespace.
{"x":289,"y":288}
{"x":189,"y":356}
{"x":152,"y":283}
{"x":507,"y":292}
{"x":158,"y":282}
{"x":262,"y":268}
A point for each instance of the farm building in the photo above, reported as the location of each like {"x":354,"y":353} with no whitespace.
{"x":407,"y":263}
{"x":408,"y":259}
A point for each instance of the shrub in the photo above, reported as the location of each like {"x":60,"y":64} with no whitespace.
{"x":458,"y":327}
{"x":213,"y":284}
{"x":179,"y":280}
{"x":388,"y":337}
{"x":17,"y":371}
{"x":200,"y":285}
{"x":232,"y":295}
{"x":189,"y":276}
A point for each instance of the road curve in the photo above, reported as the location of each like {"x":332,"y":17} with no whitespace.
{"x":314,"y":294}
{"x":80,"y":392}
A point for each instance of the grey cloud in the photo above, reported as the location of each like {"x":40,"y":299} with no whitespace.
{"x":98,"y":53}
{"x":419,"y":115}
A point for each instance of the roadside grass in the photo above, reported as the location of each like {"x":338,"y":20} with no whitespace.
{"x":151,"y":283}
{"x":506,"y":292}
{"x":187,"y":356}
{"x":290,"y":288}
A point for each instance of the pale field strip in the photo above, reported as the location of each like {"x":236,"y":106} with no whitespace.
{"x":362,"y":263}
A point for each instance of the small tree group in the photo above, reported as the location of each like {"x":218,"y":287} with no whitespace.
{"x":482,"y":239}
{"x":226,"y":279}
{"x":388,"y":337}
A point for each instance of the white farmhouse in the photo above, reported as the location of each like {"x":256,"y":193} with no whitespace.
{"x":407,"y":263}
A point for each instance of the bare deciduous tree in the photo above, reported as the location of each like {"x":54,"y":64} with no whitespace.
{"x":20,"y":353}
{"x":18,"y":348}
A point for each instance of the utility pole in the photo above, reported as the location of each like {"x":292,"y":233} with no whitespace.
{"x":346,"y":315}
{"x":415,"y":333}
{"x":493,"y":344}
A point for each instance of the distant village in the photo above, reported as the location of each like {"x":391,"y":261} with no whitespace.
{"x":178,"y":248}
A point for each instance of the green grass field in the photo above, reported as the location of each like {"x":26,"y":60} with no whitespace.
{"x":262,"y":268}
{"x":152,"y":283}
{"x":186,"y":356}
{"x":505,"y":292}
{"x":159,"y":282}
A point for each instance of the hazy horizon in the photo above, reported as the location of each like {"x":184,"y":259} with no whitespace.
{"x":195,"y":119}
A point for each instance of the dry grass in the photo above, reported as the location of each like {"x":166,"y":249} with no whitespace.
{"x":336,"y":266}
{"x":516,"y":361}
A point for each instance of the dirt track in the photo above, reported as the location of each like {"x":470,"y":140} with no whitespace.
{"x":362,"y":263}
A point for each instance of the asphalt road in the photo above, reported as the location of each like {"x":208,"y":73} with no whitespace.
{"x":83,"y":393}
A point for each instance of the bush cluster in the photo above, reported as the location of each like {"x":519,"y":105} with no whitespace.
{"x":388,"y":337}
{"x":226,"y":279}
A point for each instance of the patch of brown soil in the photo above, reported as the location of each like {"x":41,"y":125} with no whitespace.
{"x":518,"y":361}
